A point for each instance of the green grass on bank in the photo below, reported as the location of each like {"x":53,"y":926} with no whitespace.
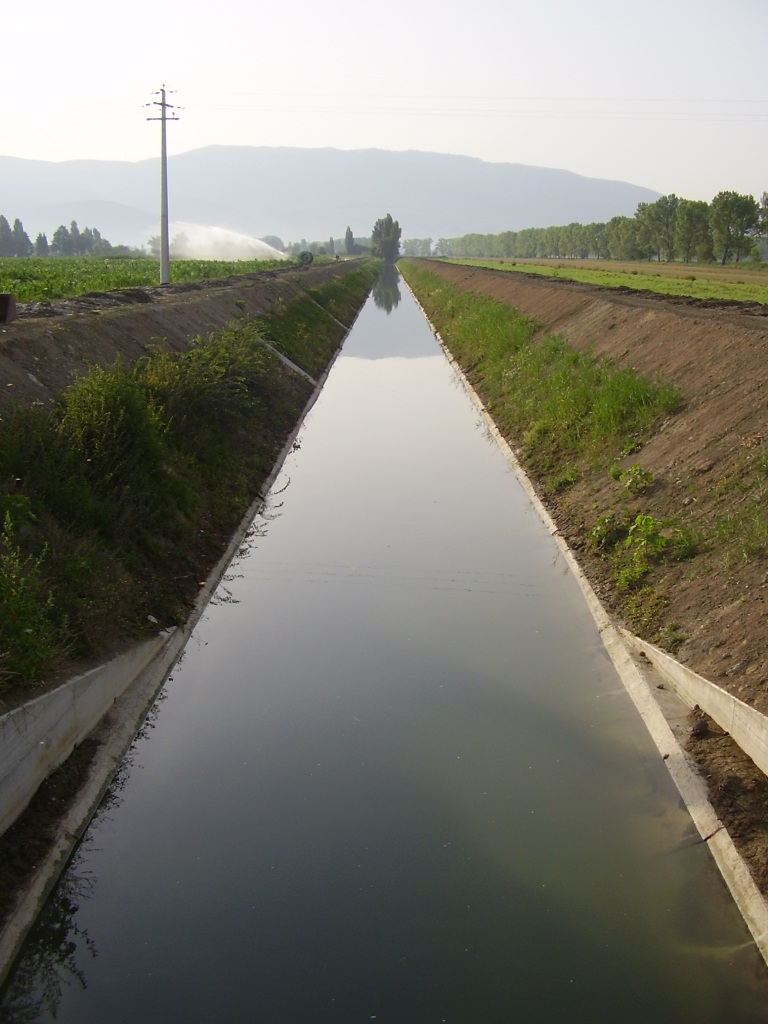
{"x":290,"y":327}
{"x":40,"y":279}
{"x":570,"y":416}
{"x":567,"y":414}
{"x":563,"y":406}
{"x":114,"y":505}
{"x":741,"y":283}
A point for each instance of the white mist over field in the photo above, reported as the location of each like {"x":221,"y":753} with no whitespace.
{"x":196,"y":241}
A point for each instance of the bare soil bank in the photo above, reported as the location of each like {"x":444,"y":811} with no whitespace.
{"x":52,"y":343}
{"x":715,"y":603}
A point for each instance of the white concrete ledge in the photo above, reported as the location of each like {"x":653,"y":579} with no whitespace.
{"x":747,"y":727}
{"x":40,"y":735}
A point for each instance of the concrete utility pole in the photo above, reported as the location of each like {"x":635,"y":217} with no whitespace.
{"x":165,"y":257}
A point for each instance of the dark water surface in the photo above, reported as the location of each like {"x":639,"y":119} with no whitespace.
{"x":395,"y":777}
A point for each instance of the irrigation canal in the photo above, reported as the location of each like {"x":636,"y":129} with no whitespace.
{"x":394,"y":777}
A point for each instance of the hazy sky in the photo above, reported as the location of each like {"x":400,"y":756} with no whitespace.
{"x":670,"y":95}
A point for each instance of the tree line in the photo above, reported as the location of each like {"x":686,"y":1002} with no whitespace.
{"x":729,"y":228}
{"x":65,"y":241}
{"x":384,"y":241}
{"x":14,"y":241}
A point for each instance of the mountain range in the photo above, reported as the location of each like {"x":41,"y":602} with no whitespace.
{"x":307,"y":194}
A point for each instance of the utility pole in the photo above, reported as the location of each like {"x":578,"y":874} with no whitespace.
{"x":165,"y":252}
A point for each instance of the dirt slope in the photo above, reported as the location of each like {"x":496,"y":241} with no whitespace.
{"x":51,"y":343}
{"x":718,"y":358}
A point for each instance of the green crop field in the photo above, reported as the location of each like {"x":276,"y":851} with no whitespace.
{"x":40,"y":279}
{"x":743,"y":284}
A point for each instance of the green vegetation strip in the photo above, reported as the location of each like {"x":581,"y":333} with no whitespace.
{"x":567,"y":413}
{"x":40,"y":279}
{"x":114,"y":505}
{"x":562,"y":406}
{"x":660,"y":280}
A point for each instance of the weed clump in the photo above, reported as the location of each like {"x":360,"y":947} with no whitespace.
{"x":636,"y":480}
{"x":26,"y":629}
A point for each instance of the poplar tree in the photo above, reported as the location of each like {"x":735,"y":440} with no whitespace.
{"x":22,"y":245}
{"x":385,"y":239}
{"x":693,"y":234}
{"x":6,"y":237}
{"x":735,"y":220}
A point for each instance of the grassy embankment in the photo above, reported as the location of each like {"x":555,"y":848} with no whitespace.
{"x":567,"y":413}
{"x":572,"y":417}
{"x":116,"y":504}
{"x":744,"y":283}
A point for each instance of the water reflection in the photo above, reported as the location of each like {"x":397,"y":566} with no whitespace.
{"x":59,"y":950}
{"x":55,"y":955}
{"x":269,"y":511}
{"x":386,"y":291}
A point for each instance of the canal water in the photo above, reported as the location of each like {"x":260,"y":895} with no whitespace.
{"x":394,"y":777}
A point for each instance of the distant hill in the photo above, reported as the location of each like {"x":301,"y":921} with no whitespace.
{"x":306,"y":193}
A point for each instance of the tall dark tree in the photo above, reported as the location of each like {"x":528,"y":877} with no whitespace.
{"x":349,"y":241}
{"x":621,"y":238}
{"x":665,"y":214}
{"x":693,"y":234}
{"x":597,"y":240}
{"x":648,"y":230}
{"x":61,"y":243}
{"x":6,"y":237}
{"x":735,"y":221}
{"x":41,"y":244}
{"x":385,"y":239}
{"x":86,"y":241}
{"x":22,"y":245}
{"x":101,"y":247}
{"x":764,"y":214}
{"x":77,"y":239}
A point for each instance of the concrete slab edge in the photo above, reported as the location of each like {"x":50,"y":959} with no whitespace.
{"x":689,"y":783}
{"x":746,"y":726}
{"x":119,"y":727}
{"x":38,"y":736}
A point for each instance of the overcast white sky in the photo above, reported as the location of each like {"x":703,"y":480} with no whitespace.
{"x":669,"y":94}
